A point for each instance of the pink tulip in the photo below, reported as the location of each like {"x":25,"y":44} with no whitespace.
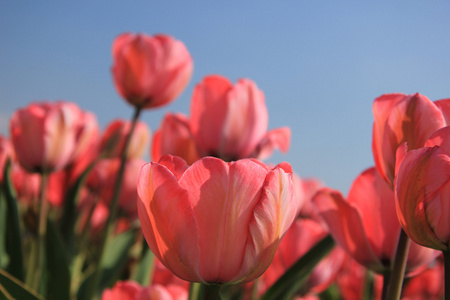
{"x":115,"y":135}
{"x":366,"y":225}
{"x":213,"y":221}
{"x":129,"y":290}
{"x":6,"y":151}
{"x":422,"y":192}
{"x":300,"y":238}
{"x":174,"y":137}
{"x":403,"y":118}
{"x":122,"y":290}
{"x":230,"y":122}
{"x":48,"y":136}
{"x":102,"y":179}
{"x":150,"y":71}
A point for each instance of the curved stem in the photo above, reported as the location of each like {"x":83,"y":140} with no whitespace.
{"x":398,"y":272}
{"x":113,"y":208}
{"x":211,"y":291}
{"x":42,"y":230}
{"x":447,"y":273}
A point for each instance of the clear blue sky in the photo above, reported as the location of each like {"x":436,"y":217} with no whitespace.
{"x":319,"y":63}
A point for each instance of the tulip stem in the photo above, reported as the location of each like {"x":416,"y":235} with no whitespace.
{"x":42,"y":230}
{"x":398,"y":272}
{"x":113,"y":209}
{"x":211,"y":291}
{"x":447,"y":273}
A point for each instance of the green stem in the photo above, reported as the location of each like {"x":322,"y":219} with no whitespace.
{"x":211,"y":291}
{"x":42,"y":230}
{"x":386,"y":280}
{"x":398,"y":272}
{"x":447,"y":273}
{"x":113,"y":209}
{"x":194,"y":291}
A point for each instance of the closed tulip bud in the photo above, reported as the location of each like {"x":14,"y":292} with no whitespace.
{"x":400,"y":118}
{"x":150,"y":71}
{"x":215,"y":222}
{"x":422,"y":190}
{"x":47,"y":136}
{"x":230,"y":122}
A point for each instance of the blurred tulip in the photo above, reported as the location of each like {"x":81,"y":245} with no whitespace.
{"x":6,"y":151}
{"x":150,"y":71}
{"x":215,"y":222}
{"x":102,"y":179}
{"x":163,"y":276}
{"x":230,"y":122}
{"x":115,"y":135}
{"x":400,"y":118}
{"x":366,"y":225}
{"x":427,"y":285}
{"x":130,"y":290}
{"x":48,"y":136}
{"x":299,"y":239}
{"x":422,"y":192}
{"x":174,"y":137}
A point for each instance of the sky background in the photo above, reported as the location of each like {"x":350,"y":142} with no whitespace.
{"x":319,"y":63}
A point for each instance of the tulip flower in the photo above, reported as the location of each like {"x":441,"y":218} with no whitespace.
{"x":366,"y":225}
{"x":129,"y":290}
{"x":400,"y":118}
{"x":230,"y":122}
{"x":6,"y":151}
{"x":113,"y":139}
{"x":422,"y":192}
{"x":300,"y":238}
{"x":48,"y":136}
{"x":174,"y":137}
{"x":150,"y":71}
{"x":213,"y":221}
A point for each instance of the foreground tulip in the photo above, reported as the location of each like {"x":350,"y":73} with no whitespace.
{"x":366,"y":225}
{"x":215,"y":222}
{"x":150,"y":71}
{"x":400,"y":118}
{"x":174,"y":137}
{"x":230,"y":122}
{"x":423,"y":190}
{"x":48,"y":136}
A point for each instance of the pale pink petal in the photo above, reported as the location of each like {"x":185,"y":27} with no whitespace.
{"x":223,"y":197}
{"x":444,"y":106}
{"x":274,"y":139}
{"x":168,"y":221}
{"x":175,"y":164}
{"x":346,"y":227}
{"x":272,"y":217}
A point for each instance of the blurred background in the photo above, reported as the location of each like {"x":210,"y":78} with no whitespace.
{"x":319,"y":63}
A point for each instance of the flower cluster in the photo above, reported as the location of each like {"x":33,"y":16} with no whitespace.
{"x":85,"y":214}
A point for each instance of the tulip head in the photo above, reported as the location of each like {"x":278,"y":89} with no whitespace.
{"x":400,"y":118}
{"x":422,"y":190}
{"x":150,"y":71}
{"x":213,"y":221}
{"x":231,"y":122}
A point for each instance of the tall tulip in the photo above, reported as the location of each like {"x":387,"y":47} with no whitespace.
{"x":400,"y":118}
{"x":230,"y":122}
{"x":366,"y":225}
{"x":423,"y":190}
{"x":47,"y":136}
{"x":150,"y":71}
{"x":215,"y":222}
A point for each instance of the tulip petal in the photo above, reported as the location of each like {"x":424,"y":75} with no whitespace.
{"x":346,"y":227}
{"x":272,"y":217}
{"x":279,"y":138}
{"x":223,"y":197}
{"x":444,"y":106}
{"x":168,"y":221}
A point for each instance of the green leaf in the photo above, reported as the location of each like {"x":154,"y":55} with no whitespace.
{"x":144,"y":269}
{"x":15,"y":288}
{"x":57,"y":265}
{"x":4,"y":258}
{"x":13,"y":235}
{"x":70,"y":214}
{"x":296,"y":276}
{"x":114,"y":261}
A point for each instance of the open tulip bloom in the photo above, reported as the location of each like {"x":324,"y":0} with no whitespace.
{"x":215,"y":222}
